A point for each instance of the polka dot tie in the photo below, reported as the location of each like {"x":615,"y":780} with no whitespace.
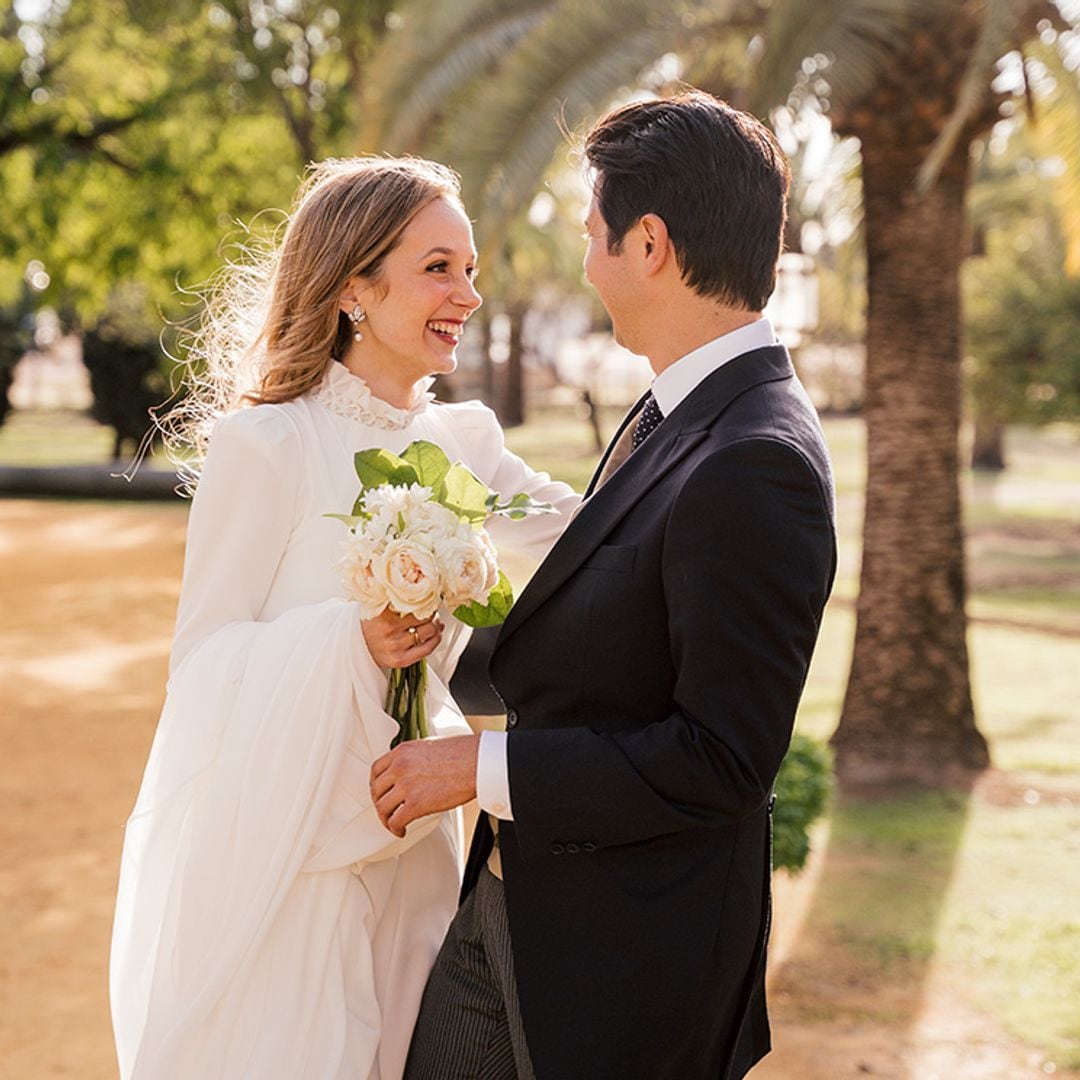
{"x":647,"y":422}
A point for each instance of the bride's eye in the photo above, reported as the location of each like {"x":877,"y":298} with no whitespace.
{"x":439,"y":267}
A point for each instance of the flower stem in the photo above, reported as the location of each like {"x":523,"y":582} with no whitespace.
{"x":406,"y":701}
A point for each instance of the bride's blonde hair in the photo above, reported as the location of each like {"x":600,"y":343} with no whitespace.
{"x":272,"y":320}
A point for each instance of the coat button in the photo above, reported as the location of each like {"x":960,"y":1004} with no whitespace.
{"x":588,"y":846}
{"x":557,"y":848}
{"x":511,"y":718}
{"x":572,"y":849}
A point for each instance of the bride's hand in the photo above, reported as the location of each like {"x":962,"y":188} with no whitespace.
{"x":396,"y":641}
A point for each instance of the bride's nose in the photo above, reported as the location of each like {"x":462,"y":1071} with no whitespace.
{"x":467,"y":296}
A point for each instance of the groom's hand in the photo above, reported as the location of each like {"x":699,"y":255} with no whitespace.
{"x":422,"y":777}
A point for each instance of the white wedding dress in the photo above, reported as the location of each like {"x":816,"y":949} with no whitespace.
{"x":267,"y":925}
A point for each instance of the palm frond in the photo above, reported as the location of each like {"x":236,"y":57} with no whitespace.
{"x":1000,"y":21}
{"x":434,"y":48}
{"x":410,"y":127}
{"x":569,"y":67}
{"x":1056,"y":131}
{"x":858,"y":38}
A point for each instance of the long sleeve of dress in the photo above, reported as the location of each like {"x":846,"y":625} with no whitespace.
{"x":503,"y":471}
{"x":242,"y":515}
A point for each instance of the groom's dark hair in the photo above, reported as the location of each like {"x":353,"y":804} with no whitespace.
{"x":716,"y":176}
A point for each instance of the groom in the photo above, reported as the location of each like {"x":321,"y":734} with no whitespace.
{"x":652,"y":668}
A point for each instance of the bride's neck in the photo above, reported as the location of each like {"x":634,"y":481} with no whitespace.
{"x":394,"y":391}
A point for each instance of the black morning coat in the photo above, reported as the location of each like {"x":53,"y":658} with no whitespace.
{"x":651,"y":672}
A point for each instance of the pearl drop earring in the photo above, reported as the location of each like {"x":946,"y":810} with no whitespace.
{"x":356,"y":317}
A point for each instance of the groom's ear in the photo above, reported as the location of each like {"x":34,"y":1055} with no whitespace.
{"x":655,"y":241}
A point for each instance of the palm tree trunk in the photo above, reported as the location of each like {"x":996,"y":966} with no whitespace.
{"x":908,"y":715}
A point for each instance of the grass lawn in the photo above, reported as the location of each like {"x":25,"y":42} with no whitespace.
{"x":936,"y":934}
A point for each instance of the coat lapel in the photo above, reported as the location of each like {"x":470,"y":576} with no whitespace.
{"x":684,"y":429}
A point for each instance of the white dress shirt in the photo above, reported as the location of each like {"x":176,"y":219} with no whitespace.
{"x":670,"y":388}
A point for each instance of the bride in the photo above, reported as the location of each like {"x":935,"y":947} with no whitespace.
{"x":267,"y":925}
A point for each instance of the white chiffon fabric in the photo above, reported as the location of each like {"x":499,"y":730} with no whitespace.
{"x":267,"y":925}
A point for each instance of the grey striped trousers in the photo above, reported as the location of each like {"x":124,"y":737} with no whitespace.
{"x":470,"y":1022}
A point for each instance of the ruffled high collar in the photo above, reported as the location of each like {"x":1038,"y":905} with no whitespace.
{"x":348,"y":395}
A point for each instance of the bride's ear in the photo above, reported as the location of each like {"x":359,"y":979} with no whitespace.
{"x":353,"y":294}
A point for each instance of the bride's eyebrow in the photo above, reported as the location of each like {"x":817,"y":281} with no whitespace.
{"x":443,"y":251}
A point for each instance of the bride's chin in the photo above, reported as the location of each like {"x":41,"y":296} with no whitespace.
{"x":444,"y":365}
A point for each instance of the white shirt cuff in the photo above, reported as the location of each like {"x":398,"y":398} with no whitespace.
{"x":493,"y":776}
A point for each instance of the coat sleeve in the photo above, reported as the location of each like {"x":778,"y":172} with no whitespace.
{"x":749,"y":536}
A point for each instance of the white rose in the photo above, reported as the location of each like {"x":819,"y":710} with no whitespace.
{"x":469,"y":568}
{"x":359,"y":572}
{"x":410,"y":573}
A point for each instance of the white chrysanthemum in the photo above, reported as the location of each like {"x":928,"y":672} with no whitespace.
{"x":390,"y":506}
{"x":400,"y":498}
{"x":361,"y":573}
{"x":410,"y":574}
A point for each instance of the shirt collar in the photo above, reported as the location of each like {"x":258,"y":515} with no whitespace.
{"x":678,"y":381}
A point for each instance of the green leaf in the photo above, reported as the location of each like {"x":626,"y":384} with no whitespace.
{"x":429,"y":461}
{"x":461,"y":492}
{"x":494,"y":612}
{"x":521,"y":505}
{"x":377,"y":467}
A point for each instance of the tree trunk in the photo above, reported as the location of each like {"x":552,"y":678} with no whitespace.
{"x":487,"y":369}
{"x":988,"y":446}
{"x":513,"y":410}
{"x":908,"y":714}
{"x":592,"y":417}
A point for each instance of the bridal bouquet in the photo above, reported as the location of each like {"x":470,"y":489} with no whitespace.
{"x":417,"y":543}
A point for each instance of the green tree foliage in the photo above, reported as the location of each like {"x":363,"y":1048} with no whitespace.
{"x":1022,"y":289}
{"x":1023,"y":336}
{"x":134,"y":137}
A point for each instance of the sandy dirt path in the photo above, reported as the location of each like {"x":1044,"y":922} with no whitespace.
{"x":88,"y":597}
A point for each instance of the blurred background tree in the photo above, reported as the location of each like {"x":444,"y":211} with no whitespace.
{"x":122,"y":353}
{"x":16,"y":337}
{"x":1022,"y":283}
{"x":134,"y":137}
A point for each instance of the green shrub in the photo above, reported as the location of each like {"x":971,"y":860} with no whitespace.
{"x":802,"y":791}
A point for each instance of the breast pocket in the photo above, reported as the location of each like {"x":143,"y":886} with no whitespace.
{"x":612,"y":559}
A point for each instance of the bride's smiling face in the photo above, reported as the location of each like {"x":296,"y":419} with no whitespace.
{"x":418,"y":303}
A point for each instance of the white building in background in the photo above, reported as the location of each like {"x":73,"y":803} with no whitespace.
{"x":793,"y":306}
